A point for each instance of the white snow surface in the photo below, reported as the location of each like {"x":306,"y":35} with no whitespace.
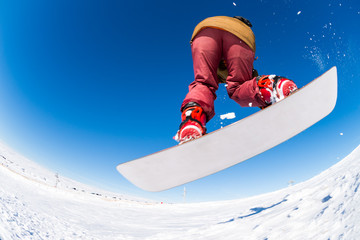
{"x":38,"y":204}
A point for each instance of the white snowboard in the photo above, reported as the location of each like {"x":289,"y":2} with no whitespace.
{"x":237,"y":142}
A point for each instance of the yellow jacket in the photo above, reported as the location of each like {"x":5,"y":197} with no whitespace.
{"x":229,"y":24}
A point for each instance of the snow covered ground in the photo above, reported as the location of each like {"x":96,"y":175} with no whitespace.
{"x":38,"y":204}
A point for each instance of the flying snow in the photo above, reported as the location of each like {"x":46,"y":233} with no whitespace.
{"x":228,"y":116}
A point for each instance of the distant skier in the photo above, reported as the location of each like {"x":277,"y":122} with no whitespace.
{"x":223,"y":50}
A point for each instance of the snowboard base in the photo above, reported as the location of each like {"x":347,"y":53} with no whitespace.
{"x":237,"y":142}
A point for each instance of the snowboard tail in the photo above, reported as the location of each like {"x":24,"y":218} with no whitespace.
{"x":237,"y":142}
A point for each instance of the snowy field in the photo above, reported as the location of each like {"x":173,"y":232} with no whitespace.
{"x":38,"y":204}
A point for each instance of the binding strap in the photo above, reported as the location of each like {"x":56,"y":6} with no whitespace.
{"x":193,"y":113}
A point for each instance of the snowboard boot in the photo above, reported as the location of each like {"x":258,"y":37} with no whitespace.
{"x":193,"y":123}
{"x":275,"y":88}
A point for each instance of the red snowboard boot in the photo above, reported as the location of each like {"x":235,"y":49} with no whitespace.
{"x":193,"y":123}
{"x":275,"y":88}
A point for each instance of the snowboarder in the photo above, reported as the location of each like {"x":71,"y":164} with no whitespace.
{"x":223,"y":50}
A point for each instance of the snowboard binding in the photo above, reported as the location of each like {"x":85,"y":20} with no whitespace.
{"x":193,"y":123}
{"x":275,"y":88}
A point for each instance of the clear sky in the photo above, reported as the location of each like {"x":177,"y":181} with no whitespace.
{"x":86,"y":85}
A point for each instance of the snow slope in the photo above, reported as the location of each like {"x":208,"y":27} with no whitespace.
{"x":38,"y":204}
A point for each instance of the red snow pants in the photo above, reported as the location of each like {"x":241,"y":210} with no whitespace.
{"x":208,"y":48}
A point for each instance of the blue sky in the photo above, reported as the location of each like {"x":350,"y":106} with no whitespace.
{"x":86,"y":85}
